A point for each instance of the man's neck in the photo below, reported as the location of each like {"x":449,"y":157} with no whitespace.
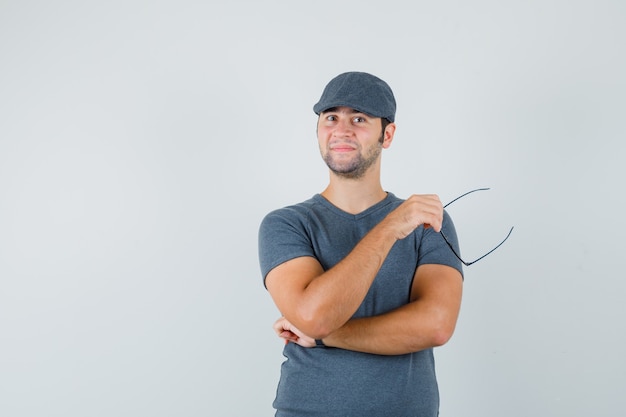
{"x":354,"y":196}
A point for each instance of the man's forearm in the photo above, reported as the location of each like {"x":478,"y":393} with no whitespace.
{"x":427,"y":322}
{"x":410,"y":328}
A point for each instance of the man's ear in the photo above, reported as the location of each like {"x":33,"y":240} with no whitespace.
{"x":390,"y":130}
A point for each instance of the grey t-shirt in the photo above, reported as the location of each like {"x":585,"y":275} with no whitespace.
{"x":337,"y":382}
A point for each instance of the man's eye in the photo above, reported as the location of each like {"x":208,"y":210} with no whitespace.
{"x":359,"y":119}
{"x":331,"y":118}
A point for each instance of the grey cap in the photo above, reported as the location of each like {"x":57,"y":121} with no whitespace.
{"x":361,"y":91}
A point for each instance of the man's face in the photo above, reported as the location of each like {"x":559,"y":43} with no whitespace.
{"x":350,"y":142}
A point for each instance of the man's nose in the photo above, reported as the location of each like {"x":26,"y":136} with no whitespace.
{"x":343,"y":128}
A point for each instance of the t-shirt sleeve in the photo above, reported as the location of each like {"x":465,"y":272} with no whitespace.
{"x":434,"y":249}
{"x":282,"y":236}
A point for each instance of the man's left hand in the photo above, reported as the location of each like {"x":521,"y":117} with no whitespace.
{"x":287,"y":331}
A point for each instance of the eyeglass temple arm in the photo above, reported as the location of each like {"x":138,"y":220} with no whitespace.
{"x":475,"y":260}
{"x":499,"y":244}
{"x":450,"y":245}
{"x":463,"y":195}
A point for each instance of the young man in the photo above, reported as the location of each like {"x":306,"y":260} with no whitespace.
{"x":364,"y":282}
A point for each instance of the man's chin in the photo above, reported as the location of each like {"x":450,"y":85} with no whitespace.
{"x":353,"y":174}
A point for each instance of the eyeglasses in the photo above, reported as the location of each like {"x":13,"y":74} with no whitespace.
{"x":452,"y":248}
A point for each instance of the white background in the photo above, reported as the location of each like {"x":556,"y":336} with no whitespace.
{"x":142,"y":142}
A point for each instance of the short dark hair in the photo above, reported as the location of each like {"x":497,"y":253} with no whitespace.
{"x":384,"y":122}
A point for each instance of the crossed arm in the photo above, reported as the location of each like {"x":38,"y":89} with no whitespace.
{"x":318,"y":304}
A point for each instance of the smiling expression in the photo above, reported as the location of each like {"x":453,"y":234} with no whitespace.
{"x":350,"y":141}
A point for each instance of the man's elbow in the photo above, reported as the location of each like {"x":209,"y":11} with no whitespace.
{"x":441,"y":332}
{"x":441,"y":336}
{"x":313,"y":323}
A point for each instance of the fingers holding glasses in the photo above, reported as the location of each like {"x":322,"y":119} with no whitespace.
{"x":418,"y":209}
{"x":427,"y":210}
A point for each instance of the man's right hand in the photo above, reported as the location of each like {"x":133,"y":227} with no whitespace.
{"x":416,"y":210}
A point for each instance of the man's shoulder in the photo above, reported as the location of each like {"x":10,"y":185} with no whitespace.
{"x":295,"y":209}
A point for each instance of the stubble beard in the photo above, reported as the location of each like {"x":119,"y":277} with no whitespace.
{"x":355,"y":168}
